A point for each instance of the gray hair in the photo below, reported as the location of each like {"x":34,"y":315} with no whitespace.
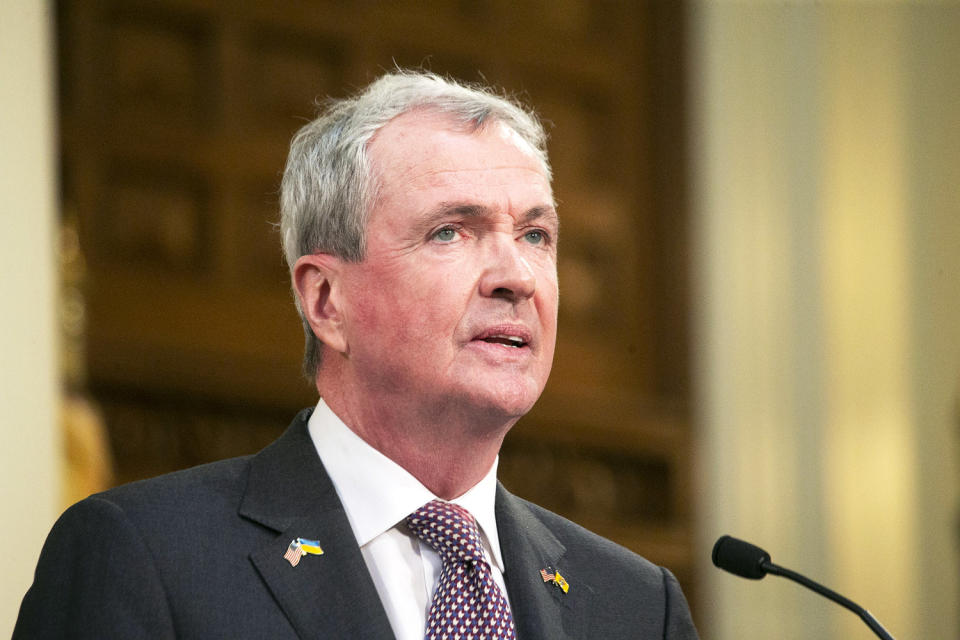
{"x":328,"y":186}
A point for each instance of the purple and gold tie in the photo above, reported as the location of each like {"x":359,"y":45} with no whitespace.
{"x":467,"y":604}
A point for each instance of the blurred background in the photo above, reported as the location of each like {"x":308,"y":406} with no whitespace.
{"x":760,"y":270}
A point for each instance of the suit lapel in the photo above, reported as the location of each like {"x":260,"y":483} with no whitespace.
{"x":329,"y":595}
{"x":540,"y":609}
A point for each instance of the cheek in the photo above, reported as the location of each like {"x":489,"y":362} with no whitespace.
{"x":369,"y":311}
{"x":406,"y":308}
{"x":548,"y":296}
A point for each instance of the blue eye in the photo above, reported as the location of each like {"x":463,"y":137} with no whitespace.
{"x":447,"y":234}
{"x":535,"y":237}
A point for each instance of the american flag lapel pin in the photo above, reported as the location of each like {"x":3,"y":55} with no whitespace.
{"x":301,"y":547}
{"x":552,"y":575}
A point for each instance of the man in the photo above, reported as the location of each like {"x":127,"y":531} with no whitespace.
{"x":419,"y":225}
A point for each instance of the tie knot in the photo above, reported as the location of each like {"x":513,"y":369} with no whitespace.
{"x":449,"y":529}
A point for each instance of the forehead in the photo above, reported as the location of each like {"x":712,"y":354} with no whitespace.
{"x":423,"y":147}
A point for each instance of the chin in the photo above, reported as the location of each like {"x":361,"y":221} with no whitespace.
{"x":510,"y":399}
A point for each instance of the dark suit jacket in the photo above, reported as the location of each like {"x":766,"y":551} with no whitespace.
{"x":199,"y":554}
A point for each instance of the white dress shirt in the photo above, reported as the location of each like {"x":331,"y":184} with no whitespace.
{"x":378,"y":495}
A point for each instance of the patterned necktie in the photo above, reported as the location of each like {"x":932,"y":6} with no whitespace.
{"x":467,"y":604}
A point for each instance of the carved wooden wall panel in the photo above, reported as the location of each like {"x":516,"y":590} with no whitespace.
{"x":176,"y":116}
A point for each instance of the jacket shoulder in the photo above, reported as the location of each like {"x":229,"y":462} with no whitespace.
{"x":635,"y":593}
{"x":580,"y":541}
{"x":220,"y":482}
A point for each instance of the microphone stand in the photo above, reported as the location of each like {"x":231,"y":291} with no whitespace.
{"x":865,"y":615}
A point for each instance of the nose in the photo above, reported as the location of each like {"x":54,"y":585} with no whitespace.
{"x":507,"y":274}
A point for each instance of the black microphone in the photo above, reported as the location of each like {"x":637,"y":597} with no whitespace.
{"x":750,"y":561}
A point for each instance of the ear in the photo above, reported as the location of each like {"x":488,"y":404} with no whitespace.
{"x":316,"y":279}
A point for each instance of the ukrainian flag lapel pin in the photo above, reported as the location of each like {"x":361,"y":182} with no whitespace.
{"x":552,"y":575}
{"x":302,"y":547}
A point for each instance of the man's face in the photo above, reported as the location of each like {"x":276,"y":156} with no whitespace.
{"x":455,"y":302}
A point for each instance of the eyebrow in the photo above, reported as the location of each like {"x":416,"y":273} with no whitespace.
{"x":470,"y":210}
{"x":542,"y":211}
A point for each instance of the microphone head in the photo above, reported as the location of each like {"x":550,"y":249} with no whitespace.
{"x":740,"y":558}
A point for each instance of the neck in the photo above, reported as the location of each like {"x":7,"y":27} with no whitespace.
{"x":446,"y":446}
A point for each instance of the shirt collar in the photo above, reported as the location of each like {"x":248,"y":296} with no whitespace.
{"x":377,"y":493}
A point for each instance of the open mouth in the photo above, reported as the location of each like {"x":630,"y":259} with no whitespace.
{"x":509,"y":341}
{"x":513,"y":336}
